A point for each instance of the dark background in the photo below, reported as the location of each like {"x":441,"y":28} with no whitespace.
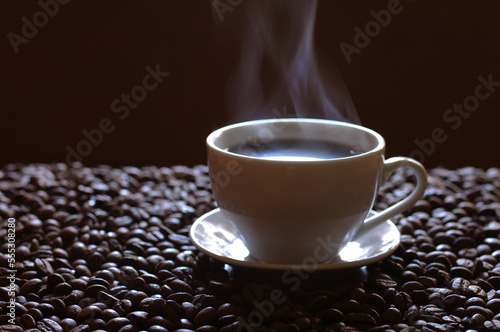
{"x":65,"y":78}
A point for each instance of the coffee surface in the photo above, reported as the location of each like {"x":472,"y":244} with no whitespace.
{"x":293,"y":149}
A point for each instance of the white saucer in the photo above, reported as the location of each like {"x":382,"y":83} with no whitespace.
{"x":218,"y":237}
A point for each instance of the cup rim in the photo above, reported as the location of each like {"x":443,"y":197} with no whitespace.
{"x":211,"y":138}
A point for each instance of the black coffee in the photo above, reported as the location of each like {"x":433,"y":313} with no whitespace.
{"x":291,"y":149}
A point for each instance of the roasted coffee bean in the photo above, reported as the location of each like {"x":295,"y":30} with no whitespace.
{"x":302,"y":323}
{"x":453,"y":301}
{"x":377,"y":301}
{"x":28,"y":321}
{"x":97,"y":324}
{"x":349,"y":306}
{"x":46,"y":308}
{"x":493,"y":305}
{"x":361,"y":319}
{"x":78,"y":283}
{"x":494,"y":281}
{"x":127,"y":273}
{"x":81,"y":328}
{"x":180,"y":286}
{"x":88,"y":313}
{"x":43,"y":266}
{"x":477,"y":320}
{"x":411,"y":286}
{"x":106,"y":275}
{"x":207,"y":316}
{"x":230,"y":309}
{"x":116,"y":324}
{"x":460,"y":285}
{"x":137,"y":283}
{"x":160,"y":321}
{"x":94,"y":289}
{"x":463,"y":242}
{"x":156,"y":305}
{"x":415,"y":268}
{"x":180,"y":297}
{"x":77,"y":251}
{"x":150,"y":278}
{"x":392,"y":316}
{"x":49,"y":325}
{"x":74,"y":297}
{"x":465,"y":262}
{"x":475,"y":290}
{"x":470,"y":253}
{"x":385,"y":283}
{"x":433,"y":327}
{"x":493,"y":243}
{"x":136,"y":297}
{"x":12,"y":328}
{"x":58,"y":304}
{"x":486,"y":313}
{"x":179,"y":239}
{"x":460,"y":271}
{"x":493,"y":325}
{"x":86,"y":301}
{"x":31,"y":286}
{"x":402,"y":301}
{"x":28,"y":275}
{"x":189,"y":310}
{"x":35,"y":313}
{"x":95,"y":261}
{"x":477,"y":301}
{"x":158,"y":328}
{"x":183,"y":323}
{"x":63,"y":289}
{"x":68,"y":324}
{"x":68,"y":233}
{"x":358,"y":294}
{"x":108,"y":314}
{"x":317,"y":303}
{"x":82,"y":271}
{"x":107,"y":298}
{"x":165,"y":291}
{"x":427,"y":282}
{"x":138,"y":318}
{"x":122,"y":306}
{"x":114,"y":256}
{"x":53,"y":280}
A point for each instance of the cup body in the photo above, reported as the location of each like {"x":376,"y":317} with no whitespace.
{"x":292,"y":211}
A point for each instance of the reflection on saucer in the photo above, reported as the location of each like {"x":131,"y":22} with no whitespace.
{"x":226,"y":241}
{"x":219,"y":238}
{"x":352,"y":251}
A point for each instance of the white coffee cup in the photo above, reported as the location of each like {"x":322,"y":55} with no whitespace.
{"x":289,"y":209}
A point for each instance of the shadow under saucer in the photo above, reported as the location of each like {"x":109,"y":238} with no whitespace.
{"x":300,"y":276}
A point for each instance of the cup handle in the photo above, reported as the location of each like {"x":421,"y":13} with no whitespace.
{"x":390,"y":165}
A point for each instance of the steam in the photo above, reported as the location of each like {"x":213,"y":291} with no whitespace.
{"x":279,"y":68}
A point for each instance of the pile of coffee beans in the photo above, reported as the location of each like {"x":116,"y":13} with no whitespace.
{"x":107,"y":249}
